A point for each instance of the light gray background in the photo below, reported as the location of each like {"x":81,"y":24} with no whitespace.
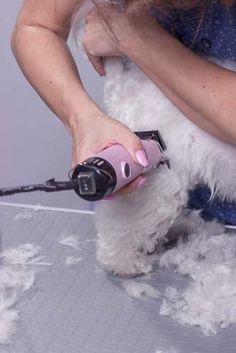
{"x":34,"y":145}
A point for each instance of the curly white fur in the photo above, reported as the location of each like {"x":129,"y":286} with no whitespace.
{"x":129,"y":227}
{"x":208,"y":260}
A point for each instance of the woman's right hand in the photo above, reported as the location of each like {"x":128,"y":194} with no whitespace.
{"x":49,"y":66}
{"x":98,"y":131}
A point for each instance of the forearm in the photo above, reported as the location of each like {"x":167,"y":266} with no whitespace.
{"x":193,"y":115}
{"x":203,"y":91}
{"x":47,"y":63}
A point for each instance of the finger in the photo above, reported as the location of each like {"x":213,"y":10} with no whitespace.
{"x":87,"y":18}
{"x":90,"y":15}
{"x":96,"y":61}
{"x":136,"y":150}
{"x":129,"y":188}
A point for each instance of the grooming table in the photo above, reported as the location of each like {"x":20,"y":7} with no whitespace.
{"x":82,"y":309}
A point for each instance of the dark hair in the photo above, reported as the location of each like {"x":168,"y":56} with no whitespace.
{"x":136,"y":8}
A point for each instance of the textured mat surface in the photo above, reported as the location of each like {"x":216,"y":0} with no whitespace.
{"x":82,"y":309}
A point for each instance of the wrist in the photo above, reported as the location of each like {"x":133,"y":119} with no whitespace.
{"x":126,"y":33}
{"x":142,"y":35}
{"x":81,"y":114}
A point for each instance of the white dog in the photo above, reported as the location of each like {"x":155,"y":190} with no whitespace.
{"x":130,"y":227}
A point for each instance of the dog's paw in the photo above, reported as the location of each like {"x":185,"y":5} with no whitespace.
{"x":135,"y":265}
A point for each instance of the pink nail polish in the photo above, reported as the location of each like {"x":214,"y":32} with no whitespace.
{"x":141,"y":157}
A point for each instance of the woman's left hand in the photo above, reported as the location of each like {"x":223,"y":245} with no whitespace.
{"x":103,"y":39}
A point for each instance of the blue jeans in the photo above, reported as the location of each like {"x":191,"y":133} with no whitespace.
{"x":223,"y":211}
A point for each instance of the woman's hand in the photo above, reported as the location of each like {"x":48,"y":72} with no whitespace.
{"x":98,"y":131}
{"x":106,"y":26}
{"x":202,"y":91}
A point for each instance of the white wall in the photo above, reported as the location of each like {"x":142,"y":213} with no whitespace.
{"x":34,"y":145}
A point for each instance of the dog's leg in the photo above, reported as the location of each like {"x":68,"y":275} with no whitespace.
{"x":167,"y":199}
{"x":129,"y":227}
{"x":117,"y":246}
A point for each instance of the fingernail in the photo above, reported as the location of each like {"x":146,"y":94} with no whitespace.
{"x":141,"y":157}
{"x":141,"y":182}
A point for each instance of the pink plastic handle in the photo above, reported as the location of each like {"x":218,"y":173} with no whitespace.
{"x":126,"y":168}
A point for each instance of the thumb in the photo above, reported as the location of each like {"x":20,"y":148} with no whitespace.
{"x":96,"y":61}
{"x":98,"y":64}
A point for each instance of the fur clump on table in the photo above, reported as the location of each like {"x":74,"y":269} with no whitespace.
{"x":72,"y":260}
{"x":26,"y":215}
{"x":169,"y":351}
{"x":140,"y":290}
{"x":17,"y":275}
{"x":71,"y":241}
{"x":208,"y":257}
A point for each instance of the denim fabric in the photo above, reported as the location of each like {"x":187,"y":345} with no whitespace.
{"x":215,"y":37}
{"x":223,"y":211}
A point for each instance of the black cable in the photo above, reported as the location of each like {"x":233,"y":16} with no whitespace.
{"x":48,"y":186}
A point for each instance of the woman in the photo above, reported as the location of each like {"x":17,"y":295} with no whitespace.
{"x":165,"y":43}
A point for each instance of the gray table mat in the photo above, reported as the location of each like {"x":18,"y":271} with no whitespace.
{"x":82,"y":309}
